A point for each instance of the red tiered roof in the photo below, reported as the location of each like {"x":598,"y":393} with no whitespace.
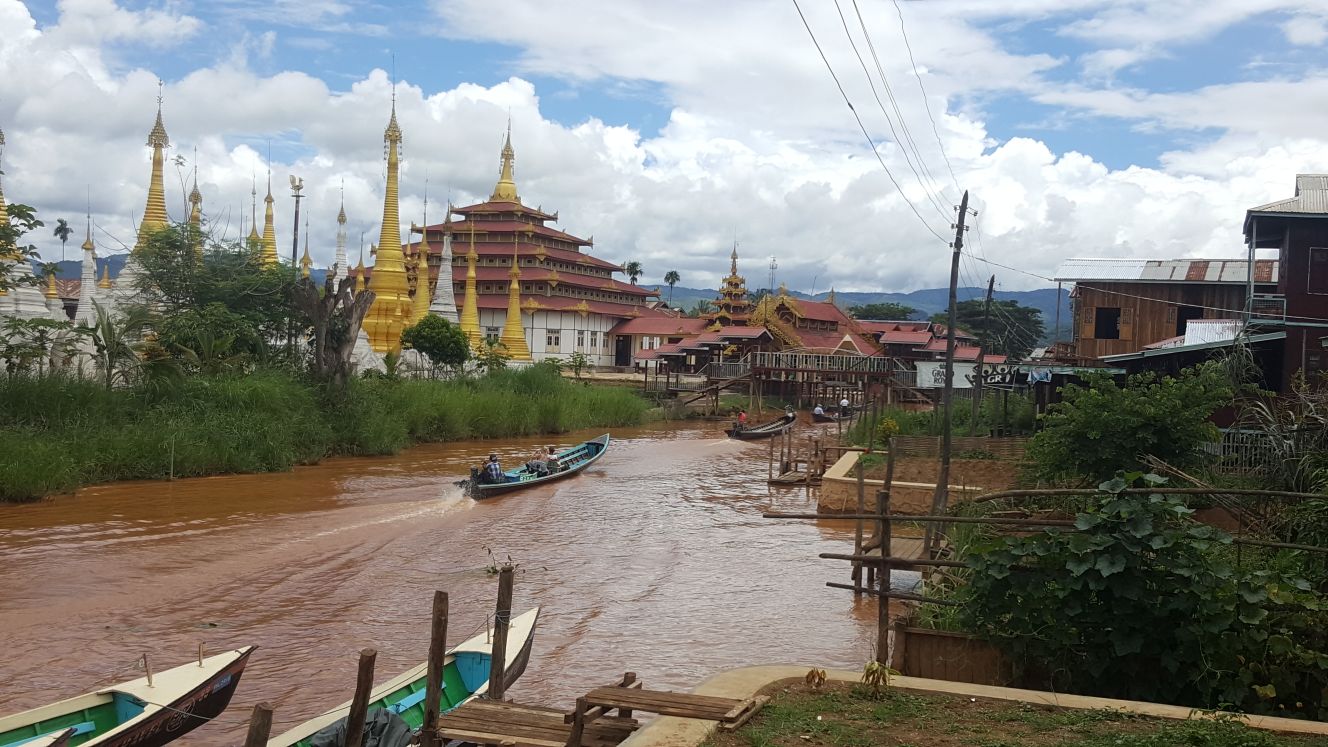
{"x":503,"y":207}
{"x":504,"y":249}
{"x":905,"y":338}
{"x":461,"y":230}
{"x":528,"y":274}
{"x":662,"y":326}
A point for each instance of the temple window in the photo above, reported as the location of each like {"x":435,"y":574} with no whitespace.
{"x":491,"y":334}
{"x":553,"y":340}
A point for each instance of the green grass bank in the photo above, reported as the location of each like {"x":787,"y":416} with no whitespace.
{"x":58,"y":434}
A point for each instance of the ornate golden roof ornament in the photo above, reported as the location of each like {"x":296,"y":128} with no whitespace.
{"x":582,"y":308}
{"x":505,"y":189}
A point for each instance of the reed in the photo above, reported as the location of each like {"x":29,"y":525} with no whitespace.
{"x":61,"y":433}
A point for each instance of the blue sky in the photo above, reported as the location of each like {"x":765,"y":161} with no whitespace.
{"x":1081,"y":127}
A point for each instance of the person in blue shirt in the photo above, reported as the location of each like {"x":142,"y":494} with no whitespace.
{"x":493,"y":473}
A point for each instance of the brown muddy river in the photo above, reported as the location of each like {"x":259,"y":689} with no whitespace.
{"x":655,"y":560}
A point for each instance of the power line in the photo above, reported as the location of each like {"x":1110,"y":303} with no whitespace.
{"x":862,"y":127}
{"x":1167,"y":302}
{"x":889,"y":92}
{"x":903,"y":145}
{"x":923,"y":88}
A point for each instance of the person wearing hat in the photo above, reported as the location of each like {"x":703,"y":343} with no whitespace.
{"x":493,"y":473}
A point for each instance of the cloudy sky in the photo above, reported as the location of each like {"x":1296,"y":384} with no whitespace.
{"x":668,"y":130}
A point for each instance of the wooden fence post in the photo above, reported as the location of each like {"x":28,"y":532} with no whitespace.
{"x":883,"y":601}
{"x":260,"y":726}
{"x":502,"y":620}
{"x":359,"y":705}
{"x":857,"y":534}
{"x":433,"y":688}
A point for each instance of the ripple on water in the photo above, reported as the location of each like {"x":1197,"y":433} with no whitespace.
{"x":655,"y":560}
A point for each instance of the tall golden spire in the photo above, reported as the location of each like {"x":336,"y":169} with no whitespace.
{"x":254,"y":240}
{"x":196,"y":213}
{"x":419,"y":303}
{"x":105,"y":282}
{"x":505,"y":189}
{"x":154,"y":214}
{"x":733,"y":260}
{"x":269,"y":227}
{"x":470,"y":308}
{"x":50,"y":286}
{"x":390,"y":312}
{"x":514,"y":337}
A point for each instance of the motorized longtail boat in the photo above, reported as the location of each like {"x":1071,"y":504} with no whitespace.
{"x":134,"y":713}
{"x":465,"y":677}
{"x":564,"y":465}
{"x":766,"y":430}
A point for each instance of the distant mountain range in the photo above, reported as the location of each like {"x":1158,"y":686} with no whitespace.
{"x":928,"y":301}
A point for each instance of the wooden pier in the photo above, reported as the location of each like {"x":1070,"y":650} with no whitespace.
{"x":589,"y":724}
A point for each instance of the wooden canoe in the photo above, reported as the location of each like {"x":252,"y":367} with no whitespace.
{"x":571,"y":462}
{"x":465,"y":677}
{"x":773,"y":428}
{"x":135,"y":713}
{"x":828,"y":418}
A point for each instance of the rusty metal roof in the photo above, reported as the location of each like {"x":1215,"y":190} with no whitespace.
{"x":1166,"y":270}
{"x":1311,"y":197}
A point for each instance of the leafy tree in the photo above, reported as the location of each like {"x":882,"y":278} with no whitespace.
{"x":1010,"y":329}
{"x":1101,"y":428}
{"x":633,"y":270}
{"x":700,"y":308}
{"x":883,"y":310}
{"x":28,"y":345}
{"x":1143,"y":603}
{"x":672,"y":278}
{"x":442,"y":342}
{"x":491,"y":356}
{"x":197,"y":328}
{"x":175,"y":280}
{"x":22,"y":220}
{"x":62,"y":232}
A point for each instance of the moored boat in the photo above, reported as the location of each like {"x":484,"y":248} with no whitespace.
{"x":135,"y":713}
{"x":765,"y":430}
{"x":465,"y":677}
{"x":831,"y":418}
{"x":568,"y":463}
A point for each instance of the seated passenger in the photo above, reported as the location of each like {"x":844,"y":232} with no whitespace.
{"x":539,"y":463}
{"x":819,"y":410}
{"x":552,"y":460}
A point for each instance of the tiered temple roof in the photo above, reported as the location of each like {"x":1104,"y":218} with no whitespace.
{"x":733,"y":306}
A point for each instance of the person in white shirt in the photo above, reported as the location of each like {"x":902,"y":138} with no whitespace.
{"x":818,"y":410}
{"x":843,"y":406}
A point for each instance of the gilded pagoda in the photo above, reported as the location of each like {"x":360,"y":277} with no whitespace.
{"x":733,"y":307}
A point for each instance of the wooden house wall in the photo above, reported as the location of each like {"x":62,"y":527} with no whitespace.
{"x":1148,"y":311}
{"x":1299,"y":282}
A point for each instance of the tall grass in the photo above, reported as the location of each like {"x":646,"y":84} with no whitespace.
{"x":60,"y":433}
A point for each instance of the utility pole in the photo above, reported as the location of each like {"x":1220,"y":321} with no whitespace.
{"x":773,"y":266}
{"x":977,"y":369}
{"x":296,"y":185}
{"x":942,"y":495}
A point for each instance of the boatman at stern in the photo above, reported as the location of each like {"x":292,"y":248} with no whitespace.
{"x":818,"y":410}
{"x":493,"y":473}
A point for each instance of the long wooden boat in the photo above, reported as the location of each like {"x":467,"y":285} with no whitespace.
{"x":570,"y":462}
{"x":465,"y":677}
{"x":766,"y":430}
{"x":134,"y":713}
{"x":828,"y":418}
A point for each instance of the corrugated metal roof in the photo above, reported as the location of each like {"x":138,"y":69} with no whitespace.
{"x":1082,"y":269}
{"x":1200,"y":331}
{"x":1311,"y":197}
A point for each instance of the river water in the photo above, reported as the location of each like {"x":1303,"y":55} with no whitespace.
{"x":655,"y":560}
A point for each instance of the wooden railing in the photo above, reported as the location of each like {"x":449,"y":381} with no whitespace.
{"x":821,"y":362}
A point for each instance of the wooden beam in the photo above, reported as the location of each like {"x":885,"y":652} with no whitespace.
{"x":433,"y":688}
{"x":502,"y":621}
{"x":359,"y":705}
{"x":260,"y":725}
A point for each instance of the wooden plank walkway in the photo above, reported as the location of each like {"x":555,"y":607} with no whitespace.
{"x":729,"y":712}
{"x":515,"y":725}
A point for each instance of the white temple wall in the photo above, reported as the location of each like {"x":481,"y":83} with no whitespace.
{"x":558,"y":334}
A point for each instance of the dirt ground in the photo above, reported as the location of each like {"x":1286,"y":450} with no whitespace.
{"x":845,"y":715}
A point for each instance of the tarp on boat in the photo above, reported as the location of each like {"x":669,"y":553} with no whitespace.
{"x":382,"y":728}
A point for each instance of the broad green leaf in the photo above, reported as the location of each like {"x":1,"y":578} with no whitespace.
{"x":1109,"y":565}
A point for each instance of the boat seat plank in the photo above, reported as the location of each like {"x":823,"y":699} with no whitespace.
{"x":480,"y":737}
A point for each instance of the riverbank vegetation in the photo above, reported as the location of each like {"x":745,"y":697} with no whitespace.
{"x":848,"y":715}
{"x":60,"y":432}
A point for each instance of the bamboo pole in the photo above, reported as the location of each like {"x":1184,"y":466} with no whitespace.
{"x":433,"y":688}
{"x":857,"y":534}
{"x":896,"y":595}
{"x":260,"y":725}
{"x":895,"y":562}
{"x":359,"y":705}
{"x":502,"y":620}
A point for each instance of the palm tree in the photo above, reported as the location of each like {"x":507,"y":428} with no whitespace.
{"x":701,"y":308}
{"x":62,"y":232}
{"x":117,"y":338}
{"x":633,"y":270}
{"x":672,"y":278}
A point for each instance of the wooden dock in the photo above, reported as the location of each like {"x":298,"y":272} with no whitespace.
{"x":589,"y":724}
